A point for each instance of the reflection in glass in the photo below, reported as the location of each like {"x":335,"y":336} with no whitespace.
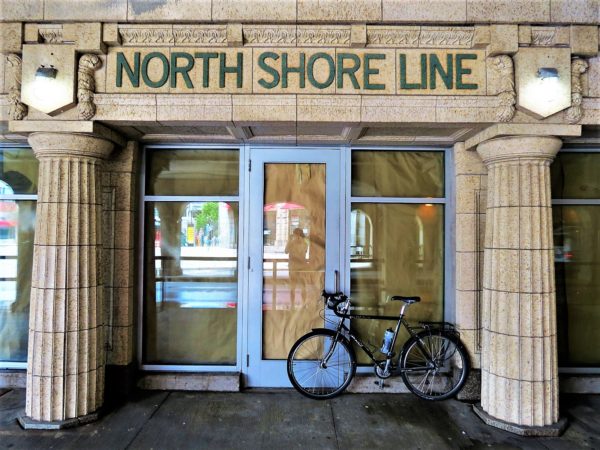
{"x":192,"y":172}
{"x":396,"y":249}
{"x":576,"y":175}
{"x":17,"y":226}
{"x":397,"y":174}
{"x":191,"y":293}
{"x":18,"y":171}
{"x":577,"y":267}
{"x":293,"y":254}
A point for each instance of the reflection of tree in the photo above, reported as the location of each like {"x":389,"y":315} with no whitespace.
{"x":208,"y":215}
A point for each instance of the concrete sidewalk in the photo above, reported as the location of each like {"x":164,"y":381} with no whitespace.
{"x":285,"y":420}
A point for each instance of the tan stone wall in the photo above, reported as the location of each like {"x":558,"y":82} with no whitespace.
{"x":400,"y":11}
{"x":119,"y":187}
{"x":470,"y":187}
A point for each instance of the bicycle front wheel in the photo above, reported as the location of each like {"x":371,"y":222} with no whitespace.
{"x":434,"y":365}
{"x":319,"y":366}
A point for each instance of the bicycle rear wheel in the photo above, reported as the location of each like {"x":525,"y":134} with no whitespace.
{"x":311,"y":374}
{"x":434,"y":365}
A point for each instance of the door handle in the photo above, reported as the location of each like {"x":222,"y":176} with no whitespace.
{"x":336,"y":280}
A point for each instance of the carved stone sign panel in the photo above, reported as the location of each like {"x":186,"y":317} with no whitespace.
{"x":297,"y":70}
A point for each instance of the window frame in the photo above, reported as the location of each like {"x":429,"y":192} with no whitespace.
{"x":577,"y":202}
{"x":16,"y":197}
{"x":447,"y":201}
{"x":241,"y":254}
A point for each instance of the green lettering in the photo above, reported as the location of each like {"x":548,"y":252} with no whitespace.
{"x":436,"y":66}
{"x":368,"y":71}
{"x":299,"y":70}
{"x":181,"y":70}
{"x":460,"y":71}
{"x":237,"y":69}
{"x":206,"y":57}
{"x":403,"y":83}
{"x":133,"y":74}
{"x":270,"y":70}
{"x":423,"y":71}
{"x":165,"y":70}
{"x":350,"y":71}
{"x":310,"y":68}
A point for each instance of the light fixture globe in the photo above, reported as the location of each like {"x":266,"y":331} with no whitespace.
{"x":49,"y":77}
{"x":543,"y":80}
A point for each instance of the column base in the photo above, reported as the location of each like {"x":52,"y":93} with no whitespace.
{"x":554,"y":430}
{"x":27,"y":423}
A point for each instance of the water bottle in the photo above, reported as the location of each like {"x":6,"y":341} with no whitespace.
{"x":386,"y":345}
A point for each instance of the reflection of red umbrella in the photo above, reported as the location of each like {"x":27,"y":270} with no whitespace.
{"x":8,"y":223}
{"x":286,"y":205}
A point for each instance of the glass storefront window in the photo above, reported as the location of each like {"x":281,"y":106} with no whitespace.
{"x":18,"y":175}
{"x":192,"y":172}
{"x":191,"y":293}
{"x":577,"y":266}
{"x":18,"y":171}
{"x":576,"y":222}
{"x":191,"y":257}
{"x":576,"y":175}
{"x":397,"y":174}
{"x":396,"y":248}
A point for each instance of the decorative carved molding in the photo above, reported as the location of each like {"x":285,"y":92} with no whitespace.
{"x":393,"y":36}
{"x":447,"y":38}
{"x":543,"y":36}
{"x":86,"y":85}
{"x":51,"y":35}
{"x":503,"y":65}
{"x":270,"y":35}
{"x":136,"y":36}
{"x":324,"y":36}
{"x":205,"y":36}
{"x":578,"y":68}
{"x":17,"y":109}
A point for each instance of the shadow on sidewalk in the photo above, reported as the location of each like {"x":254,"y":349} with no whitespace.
{"x":284,"y":420}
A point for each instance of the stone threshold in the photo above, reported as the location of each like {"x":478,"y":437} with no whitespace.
{"x":177,"y":381}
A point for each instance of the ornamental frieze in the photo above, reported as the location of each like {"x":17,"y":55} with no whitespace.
{"x":269,"y":34}
{"x":447,"y":38}
{"x":392,"y":36}
{"x":302,"y":35}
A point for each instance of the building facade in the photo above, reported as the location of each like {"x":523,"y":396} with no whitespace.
{"x":180,"y":179}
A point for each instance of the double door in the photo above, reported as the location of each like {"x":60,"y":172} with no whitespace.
{"x":295,"y":237}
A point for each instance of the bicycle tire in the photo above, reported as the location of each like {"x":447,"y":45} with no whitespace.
{"x":451,"y":367}
{"x":304,"y":365}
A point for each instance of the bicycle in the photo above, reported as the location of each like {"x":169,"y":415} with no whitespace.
{"x":433,"y":362}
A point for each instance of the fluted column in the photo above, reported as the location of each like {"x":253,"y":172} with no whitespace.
{"x":519,"y":356}
{"x":65,"y":370}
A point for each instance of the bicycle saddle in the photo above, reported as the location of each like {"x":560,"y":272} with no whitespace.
{"x":407,"y":300}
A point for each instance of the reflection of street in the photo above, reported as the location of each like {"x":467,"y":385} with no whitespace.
{"x":197,"y":295}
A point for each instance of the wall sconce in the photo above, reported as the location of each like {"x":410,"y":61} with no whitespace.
{"x":45,"y":78}
{"x":49,"y":77}
{"x":543,"y":80}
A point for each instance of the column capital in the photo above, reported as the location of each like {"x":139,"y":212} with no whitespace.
{"x":48,"y":144}
{"x":509,"y":148}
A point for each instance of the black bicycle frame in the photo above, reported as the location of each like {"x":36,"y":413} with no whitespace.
{"x":399,"y":319}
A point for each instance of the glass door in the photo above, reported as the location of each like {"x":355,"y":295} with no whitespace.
{"x":294,"y":253}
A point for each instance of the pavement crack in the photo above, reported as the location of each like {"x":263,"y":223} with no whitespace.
{"x":147,"y":420}
{"x":337,"y":442}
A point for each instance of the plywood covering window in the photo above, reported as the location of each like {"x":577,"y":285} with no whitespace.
{"x":396,"y":235}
